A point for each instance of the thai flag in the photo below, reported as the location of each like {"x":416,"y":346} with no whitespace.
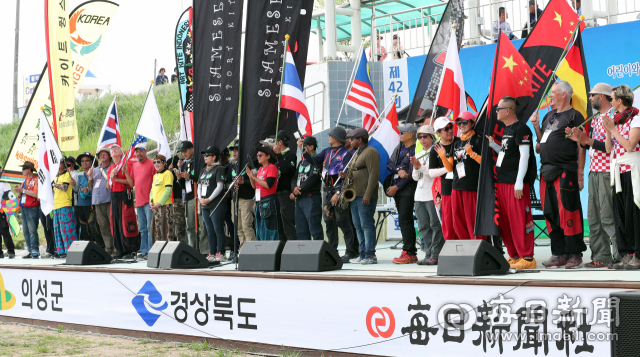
{"x":111,"y":128}
{"x":385,"y":140}
{"x":361,"y":96}
{"x":292,"y":95}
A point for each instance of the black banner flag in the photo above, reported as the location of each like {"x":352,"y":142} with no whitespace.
{"x":217,"y":34}
{"x":542,"y":51}
{"x":427,"y":88}
{"x":267,"y":24}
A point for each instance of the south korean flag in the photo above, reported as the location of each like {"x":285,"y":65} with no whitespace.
{"x":49,"y":160}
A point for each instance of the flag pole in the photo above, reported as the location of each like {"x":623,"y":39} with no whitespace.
{"x":564,"y":53}
{"x":284,"y":63}
{"x":353,"y":74}
{"x":395,"y":95}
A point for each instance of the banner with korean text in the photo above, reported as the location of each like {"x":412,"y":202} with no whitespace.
{"x":398,"y":320}
{"x":88,"y":24}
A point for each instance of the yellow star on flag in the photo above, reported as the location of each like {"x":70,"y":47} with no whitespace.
{"x":525,"y":71}
{"x":571,"y":23}
{"x":509,"y":63}
{"x":521,"y":82}
{"x":558,"y":18}
{"x":525,"y":79}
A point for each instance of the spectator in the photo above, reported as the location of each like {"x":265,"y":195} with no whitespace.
{"x":245,"y":202}
{"x":623,"y":134}
{"x":381,"y":52}
{"x":101,"y":197}
{"x":28,"y":196}
{"x":161,"y":202}
{"x":126,"y":240}
{"x":365,"y":185}
{"x":180,"y":227}
{"x":502,"y":25}
{"x":577,"y":4}
{"x":398,"y":50}
{"x":187,"y":180}
{"x":428,"y":222}
{"x":64,"y":224}
{"x":287,"y":166}
{"x":402,"y":188}
{"x":305,"y":187}
{"x":174,"y":76}
{"x":84,"y":209}
{"x":161,"y":78}
{"x":562,"y":169}
{"x":210,"y":195}
{"x":5,"y":189}
{"x":534,"y":15}
{"x":265,"y":182}
{"x":141,"y":178}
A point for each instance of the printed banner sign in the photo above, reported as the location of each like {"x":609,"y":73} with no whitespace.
{"x":184,"y":64}
{"x":396,"y":81}
{"x":87,"y":25}
{"x":29,"y":87}
{"x":395,"y":320}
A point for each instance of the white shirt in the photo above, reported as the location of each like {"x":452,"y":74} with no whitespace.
{"x":421,"y":175}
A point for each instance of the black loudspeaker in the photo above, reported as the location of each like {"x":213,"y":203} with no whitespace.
{"x":625,"y":329}
{"x":153,"y":259}
{"x":87,"y":253}
{"x":471,"y":258}
{"x":260,"y":256}
{"x":310,"y":255}
{"x":178,"y":255}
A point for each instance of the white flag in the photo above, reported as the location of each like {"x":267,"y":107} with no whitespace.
{"x":49,"y":160}
{"x":150,"y":125}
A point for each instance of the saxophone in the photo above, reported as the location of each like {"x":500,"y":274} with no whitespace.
{"x":347,"y":193}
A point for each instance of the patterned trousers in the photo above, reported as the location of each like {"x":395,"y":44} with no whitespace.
{"x":163,"y":224}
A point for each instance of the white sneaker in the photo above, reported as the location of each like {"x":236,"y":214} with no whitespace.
{"x":356,"y":260}
{"x":220,"y":257}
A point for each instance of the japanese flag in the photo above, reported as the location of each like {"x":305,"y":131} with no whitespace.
{"x":49,"y":159}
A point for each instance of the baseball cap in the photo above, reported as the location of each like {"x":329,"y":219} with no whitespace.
{"x":310,"y":140}
{"x":142,"y":146}
{"x":361,"y":133}
{"x":211,"y":150}
{"x":466,"y":115}
{"x":441,"y":123}
{"x":426,"y":129}
{"x":186,"y":145}
{"x":407,"y":128}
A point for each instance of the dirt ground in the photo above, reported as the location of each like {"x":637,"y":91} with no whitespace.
{"x":21,"y":340}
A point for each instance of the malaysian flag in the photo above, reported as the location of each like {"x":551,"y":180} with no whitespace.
{"x":361,"y":96}
{"x":111,"y":128}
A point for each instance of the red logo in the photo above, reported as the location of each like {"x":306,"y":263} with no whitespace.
{"x":380,"y":322}
{"x":440,"y":57}
{"x":526,"y":137}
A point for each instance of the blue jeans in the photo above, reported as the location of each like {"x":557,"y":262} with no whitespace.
{"x":365,"y":225}
{"x":309,"y":218}
{"x":215,"y":228}
{"x":30,"y":217}
{"x":145,"y":218}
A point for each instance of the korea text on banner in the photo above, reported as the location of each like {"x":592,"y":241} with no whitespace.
{"x":184,"y":64}
{"x":59,"y":62}
{"x":217,"y":32}
{"x":50,"y":157}
{"x":269,"y":22}
{"x":88,"y":25}
{"x":427,"y":88}
{"x":396,"y":81}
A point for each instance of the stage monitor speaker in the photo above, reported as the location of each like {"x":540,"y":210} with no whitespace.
{"x":260,"y":256}
{"x":310,"y":255}
{"x":153,"y":259}
{"x":178,"y":255}
{"x":625,"y":330}
{"x":471,"y":258}
{"x":87,"y":253}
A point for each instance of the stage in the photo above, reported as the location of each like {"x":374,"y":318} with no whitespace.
{"x":383,"y":309}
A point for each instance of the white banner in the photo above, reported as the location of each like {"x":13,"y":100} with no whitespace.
{"x":388,"y":319}
{"x":396,"y":81}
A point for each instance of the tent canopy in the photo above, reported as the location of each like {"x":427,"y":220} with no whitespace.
{"x":410,"y":18}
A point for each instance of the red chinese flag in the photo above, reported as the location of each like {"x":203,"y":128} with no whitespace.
{"x":511,"y":73}
{"x":555,"y":27}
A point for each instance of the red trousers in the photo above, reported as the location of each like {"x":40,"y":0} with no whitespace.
{"x":514,"y":216}
{"x":447,"y":219}
{"x":464,"y":213}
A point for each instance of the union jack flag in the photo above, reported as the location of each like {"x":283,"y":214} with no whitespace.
{"x":111,"y":128}
{"x":361,"y":95}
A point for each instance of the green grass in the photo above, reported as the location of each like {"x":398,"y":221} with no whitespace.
{"x":201,"y":346}
{"x":90,"y":114}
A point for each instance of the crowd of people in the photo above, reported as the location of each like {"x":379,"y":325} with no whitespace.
{"x":434,"y":177}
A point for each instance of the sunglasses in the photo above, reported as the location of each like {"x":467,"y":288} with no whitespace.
{"x":501,"y":108}
{"x":208,"y":155}
{"x":463,"y":122}
{"x":448,"y":127}
{"x":261,"y":155}
{"x":158,"y":162}
{"x":423,"y":137}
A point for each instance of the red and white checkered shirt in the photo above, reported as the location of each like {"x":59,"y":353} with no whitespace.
{"x":618,"y":149}
{"x":600,"y":160}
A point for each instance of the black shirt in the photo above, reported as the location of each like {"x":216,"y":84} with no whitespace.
{"x":245,"y":191}
{"x":287,"y":167}
{"x":471,"y":168}
{"x":208,"y":181}
{"x":177,"y":189}
{"x":308,"y":178}
{"x":515,"y":135}
{"x":436,"y":163}
{"x":558,"y":150}
{"x":188,"y":166}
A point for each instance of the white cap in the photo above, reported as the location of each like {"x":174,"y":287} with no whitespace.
{"x":142,"y":146}
{"x":441,"y":123}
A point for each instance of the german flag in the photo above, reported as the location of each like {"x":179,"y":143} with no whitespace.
{"x":574,"y":70}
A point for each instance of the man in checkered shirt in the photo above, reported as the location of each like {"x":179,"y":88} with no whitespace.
{"x":600,"y":209}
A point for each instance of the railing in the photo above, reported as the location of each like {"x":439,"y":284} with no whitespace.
{"x":316,"y":110}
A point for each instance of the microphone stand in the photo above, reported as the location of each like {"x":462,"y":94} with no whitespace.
{"x":235,"y":180}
